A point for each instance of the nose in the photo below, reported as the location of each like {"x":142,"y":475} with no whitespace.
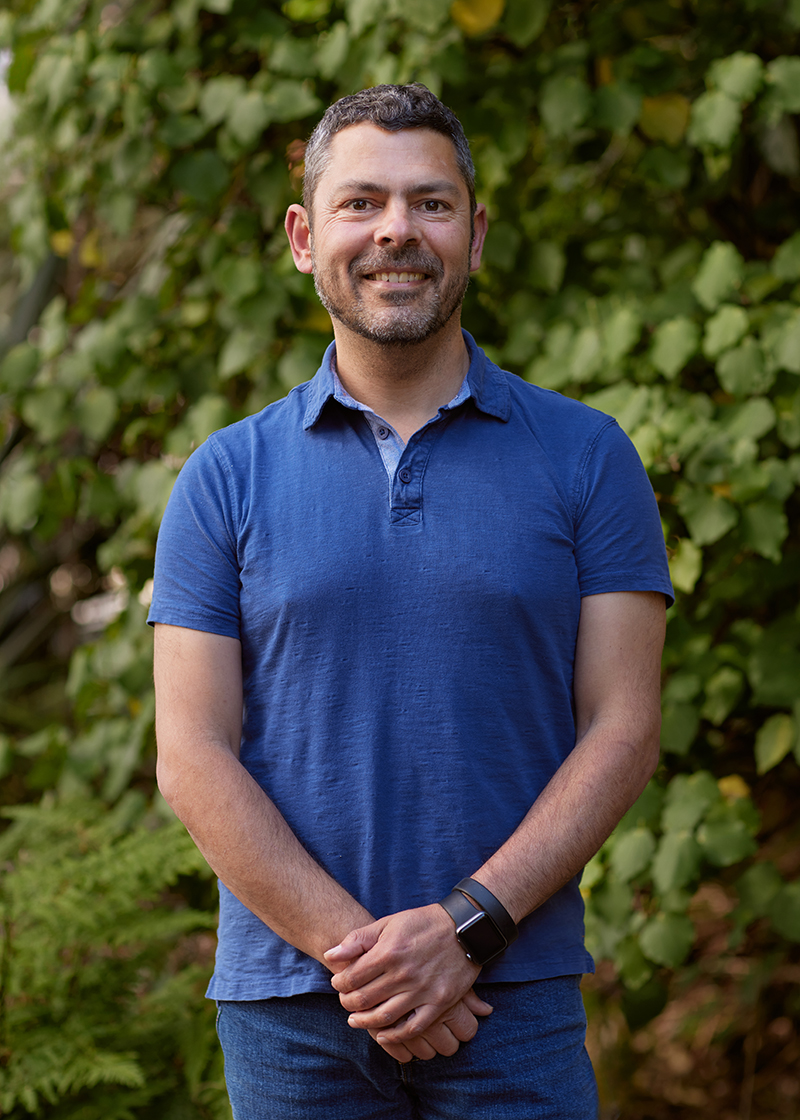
{"x":396,"y":225}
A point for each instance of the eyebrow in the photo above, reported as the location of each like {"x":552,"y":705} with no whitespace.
{"x":358,"y":186}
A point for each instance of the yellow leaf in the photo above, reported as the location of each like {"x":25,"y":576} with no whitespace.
{"x":89,"y":252}
{"x":61,"y":242}
{"x":476,"y":16}
{"x":733,"y":787}
{"x":665,"y":117}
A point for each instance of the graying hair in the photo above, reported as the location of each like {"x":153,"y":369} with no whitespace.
{"x":392,"y":108}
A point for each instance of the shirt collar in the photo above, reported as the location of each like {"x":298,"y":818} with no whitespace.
{"x":488,"y":385}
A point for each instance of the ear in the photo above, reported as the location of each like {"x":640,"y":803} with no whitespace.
{"x":298,"y":230}
{"x":480,"y":224}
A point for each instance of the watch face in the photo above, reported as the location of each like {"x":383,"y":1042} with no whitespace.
{"x":481,"y":938}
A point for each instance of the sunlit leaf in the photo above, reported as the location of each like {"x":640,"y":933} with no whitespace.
{"x":724,"y":329}
{"x":774,"y":741}
{"x":665,"y":117}
{"x":719,"y":276}
{"x":632,"y":853}
{"x":674,"y":343}
{"x":667,"y":939}
{"x":715,"y":120}
{"x":564,"y":104}
{"x":685,"y":565}
{"x":475,"y":17}
{"x":740,"y":75}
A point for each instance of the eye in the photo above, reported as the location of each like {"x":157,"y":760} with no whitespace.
{"x":433,"y":206}
{"x":359,"y":205}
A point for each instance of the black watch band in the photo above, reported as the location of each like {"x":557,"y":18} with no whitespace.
{"x":478,"y":933}
{"x":493,"y":907}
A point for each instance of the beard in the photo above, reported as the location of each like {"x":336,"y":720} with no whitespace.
{"x":401,"y":318}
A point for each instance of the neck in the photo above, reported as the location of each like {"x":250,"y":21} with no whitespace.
{"x":404,"y":384}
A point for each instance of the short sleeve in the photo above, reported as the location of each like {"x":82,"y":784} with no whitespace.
{"x":619,"y":543}
{"x":196,"y":580}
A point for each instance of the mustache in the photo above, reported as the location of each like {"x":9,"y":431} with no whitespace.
{"x":405,"y":260}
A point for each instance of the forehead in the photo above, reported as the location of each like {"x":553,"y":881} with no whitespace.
{"x":365,"y":152}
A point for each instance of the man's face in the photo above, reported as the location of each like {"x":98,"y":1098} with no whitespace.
{"x":390,"y":246}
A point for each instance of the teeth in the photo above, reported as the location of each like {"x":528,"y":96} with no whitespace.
{"x":399,"y":277}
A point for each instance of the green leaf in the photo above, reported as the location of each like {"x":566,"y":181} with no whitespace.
{"x":332,"y":50}
{"x":674,"y":343}
{"x":679,"y":726}
{"x":621,"y":332}
{"x":201,"y":174}
{"x":564,"y":104}
{"x":676,"y":862}
{"x":289,"y":100}
{"x":219,"y":97}
{"x":743,"y":372}
{"x":715,"y":120}
{"x":688,"y":799}
{"x":758,"y":887}
{"x":774,"y":740}
{"x":241,"y":347}
{"x":783,"y":78}
{"x":685,"y":565}
{"x":667,"y":939}
{"x":724,"y":329}
{"x":547,"y":262}
{"x":786,"y":262}
{"x":784,"y":911}
{"x":632,"y":853}
{"x":788,"y":349}
{"x":631,"y":964}
{"x":765,"y":527}
{"x":426,"y":16}
{"x":21,"y":492}
{"x":617,"y":107}
{"x":719,"y":275}
{"x":96,"y":411}
{"x":773,"y":667}
{"x":524,"y":20}
{"x":740,"y":75}
{"x":726,"y":840}
{"x":236,"y":277}
{"x":45,"y":411}
{"x":248,"y":117}
{"x":723,"y":691}
{"x":708,"y":517}
{"x":19,"y":367}
{"x":750,"y":420}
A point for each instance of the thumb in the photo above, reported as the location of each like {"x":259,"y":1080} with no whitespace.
{"x":357,"y":942}
{"x":476,"y":1005}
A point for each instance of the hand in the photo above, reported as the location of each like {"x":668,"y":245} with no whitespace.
{"x":445,"y":1036}
{"x":405,"y":973}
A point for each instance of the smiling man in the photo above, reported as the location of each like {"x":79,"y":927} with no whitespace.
{"x":408,"y":635}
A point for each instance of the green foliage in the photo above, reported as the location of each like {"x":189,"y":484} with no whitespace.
{"x":99,"y":1008}
{"x":640,"y":164}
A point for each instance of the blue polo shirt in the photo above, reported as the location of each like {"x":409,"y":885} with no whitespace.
{"x":407,"y":643}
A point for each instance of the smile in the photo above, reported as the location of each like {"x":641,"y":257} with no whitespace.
{"x":396,"y":277}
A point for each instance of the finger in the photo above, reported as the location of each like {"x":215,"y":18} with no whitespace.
{"x":477,"y":1005}
{"x":440,"y":1038}
{"x":461,"y":1022}
{"x":357,"y":942}
{"x":386,"y":1014}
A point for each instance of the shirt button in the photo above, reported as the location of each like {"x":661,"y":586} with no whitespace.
{"x":405,"y":475}
{"x":383,"y":433}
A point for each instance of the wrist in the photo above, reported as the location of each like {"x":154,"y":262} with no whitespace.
{"x":484,"y":927}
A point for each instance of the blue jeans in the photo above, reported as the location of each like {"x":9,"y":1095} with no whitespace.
{"x":297,"y":1059}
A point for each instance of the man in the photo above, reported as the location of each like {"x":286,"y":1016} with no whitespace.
{"x":409,"y":624}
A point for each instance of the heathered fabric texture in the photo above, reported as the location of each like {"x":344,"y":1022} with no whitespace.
{"x":407,"y":650}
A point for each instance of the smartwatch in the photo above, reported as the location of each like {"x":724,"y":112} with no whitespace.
{"x":484,"y":927}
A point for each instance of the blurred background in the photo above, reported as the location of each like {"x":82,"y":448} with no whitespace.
{"x":641,"y":168}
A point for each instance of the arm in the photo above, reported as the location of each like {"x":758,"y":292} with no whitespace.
{"x":617,"y":705}
{"x":236,"y":826}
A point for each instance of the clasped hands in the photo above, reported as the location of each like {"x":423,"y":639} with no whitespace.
{"x":406,"y":980}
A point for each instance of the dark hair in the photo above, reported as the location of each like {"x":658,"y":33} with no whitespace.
{"x":392,"y":108}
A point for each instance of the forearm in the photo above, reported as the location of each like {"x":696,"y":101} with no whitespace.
{"x":570,"y":820}
{"x":249,"y":845}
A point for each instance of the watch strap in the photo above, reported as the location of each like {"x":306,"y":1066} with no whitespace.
{"x":485,"y":900}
